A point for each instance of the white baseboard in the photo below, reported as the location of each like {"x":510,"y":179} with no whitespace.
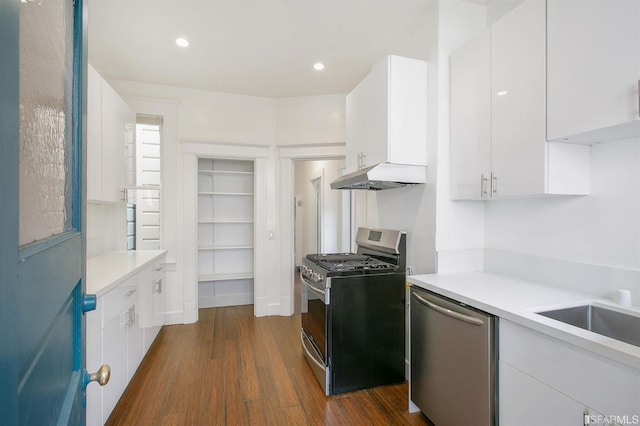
{"x":176,"y":317}
{"x":225,"y":300}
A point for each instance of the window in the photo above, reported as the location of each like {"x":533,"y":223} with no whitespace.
{"x":145,"y":172}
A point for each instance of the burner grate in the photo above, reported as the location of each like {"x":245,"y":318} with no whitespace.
{"x":348,"y":262}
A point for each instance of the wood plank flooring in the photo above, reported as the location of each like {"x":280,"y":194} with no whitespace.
{"x":231,"y":368}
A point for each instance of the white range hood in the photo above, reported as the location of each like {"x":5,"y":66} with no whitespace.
{"x":386,"y":118}
{"x":382,"y":176}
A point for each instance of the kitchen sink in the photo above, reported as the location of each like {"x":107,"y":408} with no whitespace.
{"x":600,"y":320}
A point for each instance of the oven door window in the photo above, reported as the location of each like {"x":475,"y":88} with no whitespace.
{"x":314,"y":317}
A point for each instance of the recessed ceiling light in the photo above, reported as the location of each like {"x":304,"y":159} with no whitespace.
{"x":182,"y":42}
{"x":318,"y":66}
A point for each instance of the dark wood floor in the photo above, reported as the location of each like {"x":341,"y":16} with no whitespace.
{"x":233,"y":368}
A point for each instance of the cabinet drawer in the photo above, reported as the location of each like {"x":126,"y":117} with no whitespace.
{"x":597,"y":382}
{"x":116,"y":301}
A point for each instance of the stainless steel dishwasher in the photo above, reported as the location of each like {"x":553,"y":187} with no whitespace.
{"x":453,"y":361}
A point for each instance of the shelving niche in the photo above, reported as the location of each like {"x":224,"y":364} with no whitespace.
{"x":225,"y":232}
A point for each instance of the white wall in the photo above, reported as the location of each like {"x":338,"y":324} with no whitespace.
{"x":236,"y":125}
{"x":106,"y":227}
{"x":460,"y":224}
{"x":602,"y":228}
{"x":311,"y":120}
{"x":599,"y":230}
{"x":213,"y":116}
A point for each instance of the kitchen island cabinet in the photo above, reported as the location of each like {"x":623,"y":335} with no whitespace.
{"x":387,"y":115}
{"x":127,"y":318}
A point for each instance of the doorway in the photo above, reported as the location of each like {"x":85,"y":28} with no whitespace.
{"x":322,"y":216}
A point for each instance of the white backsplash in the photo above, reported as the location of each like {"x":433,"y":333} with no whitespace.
{"x":106,"y":227}
{"x":597,"y":280}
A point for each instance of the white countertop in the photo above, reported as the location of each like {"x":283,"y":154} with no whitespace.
{"x":517,"y":300}
{"x":110,"y":269}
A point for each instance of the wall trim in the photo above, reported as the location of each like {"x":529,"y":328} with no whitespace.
{"x":313,"y":152}
{"x":188,"y":223}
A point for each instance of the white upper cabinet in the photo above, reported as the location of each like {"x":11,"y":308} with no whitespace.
{"x":110,"y":129}
{"x":593,"y":63}
{"x":499,"y":147}
{"x":387,"y":115}
{"x":471,"y":118}
{"x":518,"y":101}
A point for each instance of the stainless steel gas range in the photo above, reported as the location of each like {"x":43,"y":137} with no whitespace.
{"x":353,"y":304}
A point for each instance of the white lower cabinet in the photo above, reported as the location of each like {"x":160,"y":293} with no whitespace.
{"x":543,"y":381}
{"x":153,"y":306}
{"x":119,"y":333}
{"x":525,"y":401}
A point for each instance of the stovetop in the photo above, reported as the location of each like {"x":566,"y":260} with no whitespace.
{"x":336,"y":263}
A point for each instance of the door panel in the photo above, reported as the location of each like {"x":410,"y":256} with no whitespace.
{"x":42,"y":210}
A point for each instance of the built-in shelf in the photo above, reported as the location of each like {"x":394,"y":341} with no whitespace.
{"x":226,"y":247}
{"x":224,"y":172}
{"x":225,"y":241}
{"x":226,"y":193}
{"x":214,"y":221}
{"x":225,"y":277}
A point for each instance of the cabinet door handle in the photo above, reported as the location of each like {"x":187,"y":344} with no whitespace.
{"x":133,"y":315}
{"x":494,"y":185}
{"x":157,"y":286}
{"x":361,"y":157}
{"x":638,"y":98}
{"x":483,"y":186}
{"x":125,"y":318}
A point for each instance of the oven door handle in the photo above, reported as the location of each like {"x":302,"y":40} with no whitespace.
{"x":313,"y":288}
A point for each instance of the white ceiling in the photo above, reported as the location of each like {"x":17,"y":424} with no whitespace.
{"x":262,"y":48}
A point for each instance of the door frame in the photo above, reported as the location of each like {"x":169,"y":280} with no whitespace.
{"x":287,"y":156}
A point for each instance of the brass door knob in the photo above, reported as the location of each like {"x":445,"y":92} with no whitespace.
{"x":101,"y":376}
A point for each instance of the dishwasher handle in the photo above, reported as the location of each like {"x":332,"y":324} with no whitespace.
{"x":448,"y":312}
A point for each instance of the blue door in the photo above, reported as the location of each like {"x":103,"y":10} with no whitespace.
{"x":41,"y":213}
